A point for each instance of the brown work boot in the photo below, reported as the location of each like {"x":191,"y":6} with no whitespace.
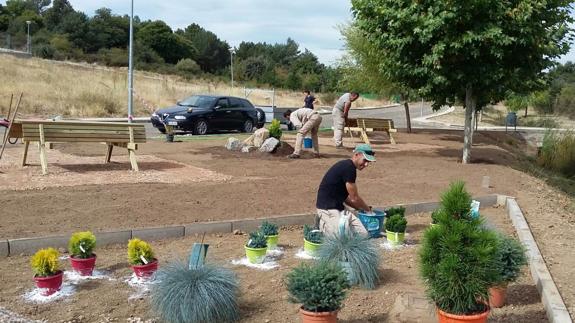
{"x":293,"y":156}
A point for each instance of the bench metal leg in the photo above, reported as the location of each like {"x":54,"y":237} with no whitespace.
{"x":109,"y":153}
{"x":26,"y":145}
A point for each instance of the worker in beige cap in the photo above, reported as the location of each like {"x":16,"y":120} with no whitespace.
{"x":305,"y":121}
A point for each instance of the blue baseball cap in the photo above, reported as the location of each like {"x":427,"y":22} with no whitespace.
{"x":367,"y":152}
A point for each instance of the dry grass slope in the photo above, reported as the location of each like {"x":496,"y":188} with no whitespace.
{"x":83,"y":90}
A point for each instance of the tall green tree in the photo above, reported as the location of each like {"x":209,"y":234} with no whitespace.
{"x":212,"y":54}
{"x":468,"y":50}
{"x":170,"y":46}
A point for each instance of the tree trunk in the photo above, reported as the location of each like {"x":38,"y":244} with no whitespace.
{"x":407,"y":115}
{"x":469,"y":121}
{"x":526,"y":107}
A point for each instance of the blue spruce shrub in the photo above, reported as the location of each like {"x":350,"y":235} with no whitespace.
{"x":361,"y":254}
{"x":206,"y":294}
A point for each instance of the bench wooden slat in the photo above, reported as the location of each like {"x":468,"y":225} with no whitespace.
{"x":371,"y":124}
{"x":68,"y":139}
{"x":80,"y":127}
{"x":81,"y":123}
{"x":82,"y":134}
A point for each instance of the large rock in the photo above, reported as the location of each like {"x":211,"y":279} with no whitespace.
{"x":269,"y":145}
{"x":248,"y":149}
{"x":234,"y":144}
{"x":257,"y":138}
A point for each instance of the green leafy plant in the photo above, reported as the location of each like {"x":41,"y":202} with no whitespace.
{"x":138,"y":249}
{"x":257,"y":240}
{"x":45,"y":262}
{"x":458,"y":264}
{"x":510,"y":258}
{"x":435,"y":216}
{"x":205,"y":294}
{"x":82,"y":244}
{"x":395,"y":210}
{"x":456,"y":201}
{"x":361,"y":254}
{"x":312,"y":235}
{"x":396,"y":223}
{"x":275,"y":129}
{"x":269,"y":229}
{"x":319,"y":288}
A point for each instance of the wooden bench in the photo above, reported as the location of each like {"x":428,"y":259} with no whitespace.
{"x":365,"y":125}
{"x":125,"y":135}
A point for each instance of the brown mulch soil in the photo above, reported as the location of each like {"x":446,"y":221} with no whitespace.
{"x":198,"y":180}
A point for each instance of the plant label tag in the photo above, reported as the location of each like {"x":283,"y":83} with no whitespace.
{"x":82,"y":248}
{"x":144,"y":259}
{"x":249,"y":242}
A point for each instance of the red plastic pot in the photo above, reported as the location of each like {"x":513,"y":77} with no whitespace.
{"x":50,"y":284}
{"x":445,"y":317}
{"x":318,"y":317}
{"x":146,"y":271}
{"x":497,"y":296}
{"x":84,"y":267}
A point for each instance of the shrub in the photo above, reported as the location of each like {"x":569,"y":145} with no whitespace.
{"x":558,"y":153}
{"x":269,"y":229}
{"x":257,"y":240}
{"x":361,"y":254}
{"x":540,"y":122}
{"x":456,"y":201}
{"x":206,"y":294}
{"x":396,"y":223}
{"x":45,"y":262}
{"x":312,"y":235}
{"x":435,"y":216}
{"x":138,"y":249}
{"x":188,"y":68}
{"x":395,"y":210}
{"x":319,"y":288}
{"x":458,"y":264}
{"x":275,"y":129}
{"x":510,"y":258}
{"x":82,"y":244}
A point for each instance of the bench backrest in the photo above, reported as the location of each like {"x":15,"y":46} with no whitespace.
{"x":79,"y":131}
{"x":375,"y":124}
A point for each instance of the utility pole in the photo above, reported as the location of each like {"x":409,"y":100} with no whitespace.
{"x":131,"y":65}
{"x":232,"y":52}
{"x":28,"y":40}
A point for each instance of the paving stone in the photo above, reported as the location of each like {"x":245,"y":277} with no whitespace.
{"x":487,"y":200}
{"x":248,"y":225}
{"x":412,"y":307}
{"x":29,"y":246}
{"x":113,"y":237}
{"x":295,"y":219}
{"x":208,"y":227}
{"x":4,"y":249}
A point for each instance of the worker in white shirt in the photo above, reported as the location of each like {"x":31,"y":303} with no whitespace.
{"x":305,"y":121}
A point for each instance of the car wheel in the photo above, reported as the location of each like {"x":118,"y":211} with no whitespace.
{"x":248,"y":126}
{"x":261,"y":116}
{"x":200,"y":127}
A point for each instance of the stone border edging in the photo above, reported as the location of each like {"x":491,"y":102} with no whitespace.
{"x":550,"y":297}
{"x":30,"y":245}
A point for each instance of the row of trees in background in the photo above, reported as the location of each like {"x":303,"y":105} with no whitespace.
{"x":60,"y":32}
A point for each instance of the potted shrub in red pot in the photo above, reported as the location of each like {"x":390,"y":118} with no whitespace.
{"x":47,"y":273}
{"x":141,"y":257}
{"x":82,"y":258}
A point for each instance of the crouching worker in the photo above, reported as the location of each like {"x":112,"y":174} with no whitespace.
{"x":305,"y":121}
{"x":338,"y":190}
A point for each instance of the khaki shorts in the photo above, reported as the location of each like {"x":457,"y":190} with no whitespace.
{"x":328,"y":222}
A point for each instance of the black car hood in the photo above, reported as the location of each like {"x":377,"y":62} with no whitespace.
{"x":178,"y":109}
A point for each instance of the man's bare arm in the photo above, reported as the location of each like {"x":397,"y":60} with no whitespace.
{"x":353,"y":199}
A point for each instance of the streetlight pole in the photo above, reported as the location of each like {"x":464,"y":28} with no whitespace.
{"x":232,"y":52}
{"x":131,"y":65}
{"x":28,"y":41}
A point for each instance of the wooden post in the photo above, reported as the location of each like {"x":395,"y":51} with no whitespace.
{"x":42,"y":147}
{"x":109,"y":152}
{"x":26,"y":145}
{"x":131,"y":151}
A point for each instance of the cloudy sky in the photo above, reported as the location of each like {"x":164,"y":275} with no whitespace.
{"x":311,"y":23}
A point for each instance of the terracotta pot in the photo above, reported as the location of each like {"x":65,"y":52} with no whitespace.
{"x":146,"y":271}
{"x":497,"y":295}
{"x":324,"y":317}
{"x":50,"y":284}
{"x":445,"y":317}
{"x":84,"y":267}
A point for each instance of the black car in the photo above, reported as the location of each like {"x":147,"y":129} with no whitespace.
{"x":200,"y":114}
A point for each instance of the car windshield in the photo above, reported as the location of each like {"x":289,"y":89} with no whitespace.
{"x":197,"y":101}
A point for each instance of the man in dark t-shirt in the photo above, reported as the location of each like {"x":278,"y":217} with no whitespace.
{"x":308,"y":100}
{"x":338,"y":188}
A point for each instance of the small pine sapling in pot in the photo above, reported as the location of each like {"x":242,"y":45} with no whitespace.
{"x":141,"y":257}
{"x":81,"y":247}
{"x":47,"y":273}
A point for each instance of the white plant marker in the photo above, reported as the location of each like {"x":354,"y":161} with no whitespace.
{"x":82,"y":248}
{"x":249,"y":242}
{"x":144,"y":259}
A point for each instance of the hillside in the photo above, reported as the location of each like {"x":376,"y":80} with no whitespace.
{"x":75,"y":90}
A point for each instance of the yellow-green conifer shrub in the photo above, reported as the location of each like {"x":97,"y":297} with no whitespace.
{"x":45,"y":262}
{"x":138,"y":249}
{"x":82,"y":244}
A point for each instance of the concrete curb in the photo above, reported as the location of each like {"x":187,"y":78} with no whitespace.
{"x":550,"y":297}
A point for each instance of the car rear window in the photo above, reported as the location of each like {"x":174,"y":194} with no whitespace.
{"x":247,"y":104}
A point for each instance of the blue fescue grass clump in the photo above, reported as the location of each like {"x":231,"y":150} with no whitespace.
{"x":312,"y":235}
{"x":269,"y":229}
{"x":206,"y":294}
{"x":360,"y":252}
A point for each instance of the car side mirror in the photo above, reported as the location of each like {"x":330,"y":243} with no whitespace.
{"x":217,"y":107}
